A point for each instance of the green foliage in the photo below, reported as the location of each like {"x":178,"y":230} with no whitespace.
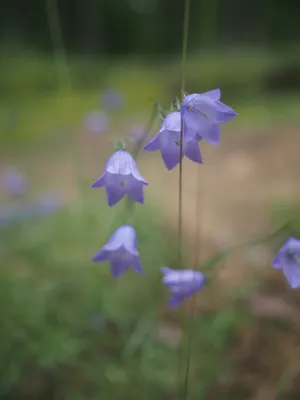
{"x":78,"y":333}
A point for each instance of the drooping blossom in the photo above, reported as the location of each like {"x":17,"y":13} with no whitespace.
{"x":182,"y":284}
{"x":96,"y":122}
{"x":203,"y":113}
{"x":167,"y":141}
{"x":13,"y":181}
{"x":121,"y":252}
{"x":121,"y":176}
{"x":288,"y":261}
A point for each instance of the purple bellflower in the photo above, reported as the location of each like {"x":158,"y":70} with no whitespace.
{"x":167,"y":141}
{"x":203,"y":113}
{"x":121,"y":176}
{"x":14,"y":183}
{"x":182,"y":284}
{"x":112,"y":99}
{"x":96,"y":122}
{"x":121,"y":252}
{"x":288,"y":261}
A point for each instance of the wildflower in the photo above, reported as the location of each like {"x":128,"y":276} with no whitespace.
{"x":121,"y":251}
{"x":14,"y":183}
{"x":182,"y":284}
{"x":288,"y":261}
{"x":112,"y":99}
{"x":96,"y":122}
{"x":121,"y":176}
{"x":167,"y":141}
{"x":203,"y":113}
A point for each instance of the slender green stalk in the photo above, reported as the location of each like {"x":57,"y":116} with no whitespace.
{"x":197,"y":245}
{"x":64,"y":79}
{"x":187,"y":5}
{"x":58,"y":45}
{"x":186,"y":23}
{"x":129,"y":204}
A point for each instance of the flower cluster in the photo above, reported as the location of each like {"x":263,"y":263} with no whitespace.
{"x":198,"y":118}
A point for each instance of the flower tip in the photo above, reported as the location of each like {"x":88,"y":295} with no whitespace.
{"x":165,"y":270}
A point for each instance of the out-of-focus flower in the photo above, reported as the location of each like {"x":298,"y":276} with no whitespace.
{"x":96,"y":122}
{"x":41,"y":207}
{"x":121,"y":252}
{"x":136,"y":134}
{"x":288,"y":261}
{"x":45,"y":204}
{"x":13,"y":182}
{"x":121,"y":176}
{"x":203,"y":113}
{"x":182,"y":284}
{"x":112,"y":99}
{"x":167,"y":141}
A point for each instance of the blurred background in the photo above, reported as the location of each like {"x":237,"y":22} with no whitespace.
{"x":75,"y":76}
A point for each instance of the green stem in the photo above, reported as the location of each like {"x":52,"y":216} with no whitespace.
{"x":64,"y":77}
{"x":180,"y":180}
{"x":186,"y":23}
{"x":129,"y":204}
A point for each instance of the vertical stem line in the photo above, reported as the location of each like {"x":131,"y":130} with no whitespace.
{"x":65,"y":81}
{"x":58,"y":45}
{"x":186,"y":20}
{"x":186,"y":23}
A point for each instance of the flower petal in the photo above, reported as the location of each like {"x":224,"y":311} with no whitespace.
{"x":114,"y":194}
{"x":117,"y":268}
{"x":136,"y":265}
{"x":154,"y":143}
{"x":102,"y":255}
{"x":191,"y":150}
{"x":171,"y":156}
{"x":292,"y":274}
{"x":99,"y":183}
{"x":213,"y":135}
{"x":176,"y":299}
{"x":213,"y":94}
{"x":135,"y":191}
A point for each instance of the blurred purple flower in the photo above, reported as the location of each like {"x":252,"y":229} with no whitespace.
{"x":121,"y":176}
{"x":41,"y":207}
{"x":14,"y":183}
{"x":136,"y":134}
{"x":182,"y":284}
{"x":167,"y":141}
{"x":46,"y":204}
{"x":203,"y":113}
{"x":288,"y":261}
{"x":96,"y":122}
{"x":112,"y":99}
{"x":121,"y":252}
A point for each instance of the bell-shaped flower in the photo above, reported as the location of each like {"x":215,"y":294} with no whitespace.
{"x":182,"y":284}
{"x":288,"y":261}
{"x":167,"y":141}
{"x":121,"y":251}
{"x":203,"y":113}
{"x":121,"y":176}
